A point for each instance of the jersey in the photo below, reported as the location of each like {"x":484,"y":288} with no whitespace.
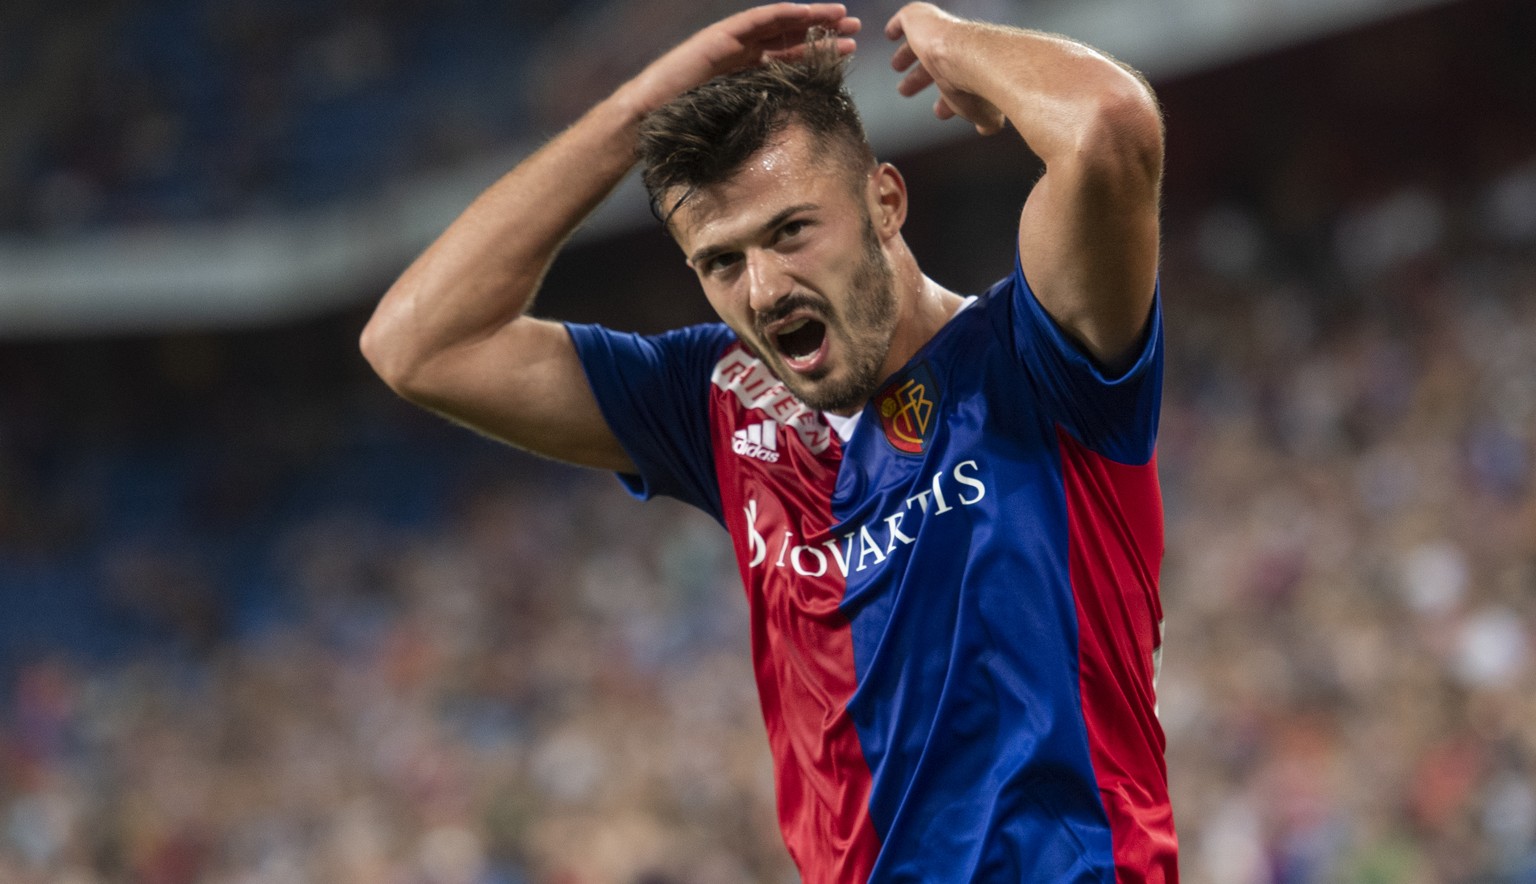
{"x":955,"y":613}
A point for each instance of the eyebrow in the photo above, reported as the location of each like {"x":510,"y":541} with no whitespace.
{"x":708,"y":252}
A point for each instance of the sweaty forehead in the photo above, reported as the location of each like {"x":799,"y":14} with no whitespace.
{"x":787,"y":171}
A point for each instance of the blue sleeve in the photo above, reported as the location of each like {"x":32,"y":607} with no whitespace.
{"x":654,"y":392}
{"x":1114,"y":415}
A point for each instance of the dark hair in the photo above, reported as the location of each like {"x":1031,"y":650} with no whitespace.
{"x":703,"y":136}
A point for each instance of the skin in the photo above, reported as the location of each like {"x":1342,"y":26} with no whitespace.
{"x":453,"y":334}
{"x":1089,"y":231}
{"x":788,"y":239}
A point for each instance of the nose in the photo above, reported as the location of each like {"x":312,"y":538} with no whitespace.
{"x":767,"y":281}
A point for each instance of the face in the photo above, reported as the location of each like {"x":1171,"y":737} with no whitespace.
{"x":789,"y":256}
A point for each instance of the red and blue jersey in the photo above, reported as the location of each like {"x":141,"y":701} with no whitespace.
{"x":955,"y":612}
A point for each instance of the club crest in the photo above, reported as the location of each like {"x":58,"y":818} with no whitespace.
{"x":907,"y":409}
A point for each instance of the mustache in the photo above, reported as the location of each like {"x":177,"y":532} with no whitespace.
{"x":791,"y":303}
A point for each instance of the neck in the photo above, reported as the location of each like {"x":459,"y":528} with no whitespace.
{"x":924,"y":308}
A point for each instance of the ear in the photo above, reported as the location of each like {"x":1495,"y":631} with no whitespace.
{"x":887,"y":196}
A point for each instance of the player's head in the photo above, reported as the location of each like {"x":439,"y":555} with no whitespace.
{"x":706,"y":135}
{"x":766,"y":180}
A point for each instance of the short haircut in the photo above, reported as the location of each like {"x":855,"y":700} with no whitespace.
{"x":705,"y":135}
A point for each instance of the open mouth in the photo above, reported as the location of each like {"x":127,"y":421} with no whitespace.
{"x":800,"y":340}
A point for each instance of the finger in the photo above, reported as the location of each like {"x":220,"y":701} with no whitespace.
{"x":903,"y":57}
{"x":802,"y":17}
{"x":845,"y":46}
{"x":842,"y":31}
{"x":848,"y":25}
{"x":895,"y":28}
{"x":797,"y":11}
{"x":768,"y":22}
{"x":992,"y":124}
{"x":820,"y":10}
{"x":914,"y":82}
{"x":942,"y":110}
{"x":783,"y":34}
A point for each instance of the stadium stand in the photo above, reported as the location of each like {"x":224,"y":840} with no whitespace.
{"x":263,"y":623}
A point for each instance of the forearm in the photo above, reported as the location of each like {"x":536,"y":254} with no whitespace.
{"x":1069,"y":102}
{"x":482,"y":273}
{"x":484,"y":270}
{"x":1089,"y":231}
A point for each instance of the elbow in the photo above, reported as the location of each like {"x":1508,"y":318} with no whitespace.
{"x":389,"y":354}
{"x":1121,"y":142}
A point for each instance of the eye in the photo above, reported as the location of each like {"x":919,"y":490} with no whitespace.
{"x":717,"y":264}
{"x":792,"y":228}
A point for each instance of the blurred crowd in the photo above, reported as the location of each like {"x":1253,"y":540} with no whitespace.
{"x":1348,"y":689}
{"x":264,"y":623}
{"x":119,"y":113}
{"x":186,"y":110}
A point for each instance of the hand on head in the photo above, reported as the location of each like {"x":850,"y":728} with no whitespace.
{"x":924,"y":27}
{"x":752,"y":37}
{"x":778,"y":31}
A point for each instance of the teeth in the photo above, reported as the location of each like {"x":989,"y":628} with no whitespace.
{"x":788,"y":330}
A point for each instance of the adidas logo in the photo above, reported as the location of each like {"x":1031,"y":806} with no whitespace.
{"x":759,"y":440}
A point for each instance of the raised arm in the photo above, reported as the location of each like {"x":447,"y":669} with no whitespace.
{"x":1088,"y":234}
{"x":453,"y":334}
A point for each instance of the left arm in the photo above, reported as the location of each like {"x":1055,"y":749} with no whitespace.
{"x":1088,"y":234}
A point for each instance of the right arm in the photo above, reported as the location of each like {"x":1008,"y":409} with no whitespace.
{"x":1089,"y":231}
{"x":453,"y":335}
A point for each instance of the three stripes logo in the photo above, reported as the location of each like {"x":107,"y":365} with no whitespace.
{"x":758,"y":440}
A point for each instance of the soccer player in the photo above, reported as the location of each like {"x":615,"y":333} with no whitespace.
{"x":945,"y":510}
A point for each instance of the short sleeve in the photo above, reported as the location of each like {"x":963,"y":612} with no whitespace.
{"x":1114,"y":415}
{"x":653,"y":391}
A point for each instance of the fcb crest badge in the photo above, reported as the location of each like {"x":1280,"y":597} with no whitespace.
{"x":907,"y":410}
